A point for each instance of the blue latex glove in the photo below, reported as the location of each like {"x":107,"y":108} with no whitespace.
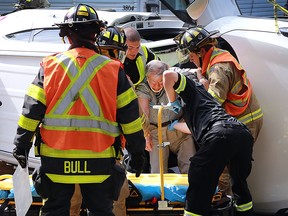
{"x":175,"y":106}
{"x":171,"y":126}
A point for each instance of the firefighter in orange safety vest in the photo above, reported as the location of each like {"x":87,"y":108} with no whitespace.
{"x":83,"y":103}
{"x":112,"y":44}
{"x":222,"y":75}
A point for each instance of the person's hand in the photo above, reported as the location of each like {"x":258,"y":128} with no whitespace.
{"x":149,"y":143}
{"x":175,"y":106}
{"x":137,"y":163}
{"x":171,"y":126}
{"x":21,"y":156}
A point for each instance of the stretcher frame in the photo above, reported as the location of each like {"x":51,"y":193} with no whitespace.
{"x":162,"y":204}
{"x":7,"y":204}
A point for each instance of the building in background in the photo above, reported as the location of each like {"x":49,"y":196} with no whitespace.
{"x":247,"y":7}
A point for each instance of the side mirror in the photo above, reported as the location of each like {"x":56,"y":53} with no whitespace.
{"x":196,"y":8}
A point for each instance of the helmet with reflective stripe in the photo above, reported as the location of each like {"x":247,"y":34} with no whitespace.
{"x":194,"y":38}
{"x":191,"y":40}
{"x":112,"y":43}
{"x":113,"y":37}
{"x":81,"y":20}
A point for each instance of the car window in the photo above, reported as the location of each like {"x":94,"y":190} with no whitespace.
{"x":50,"y":35}
{"x":21,"y":36}
{"x":46,"y":35}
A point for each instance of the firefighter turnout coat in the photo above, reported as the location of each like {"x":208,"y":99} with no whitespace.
{"x":229,"y":85}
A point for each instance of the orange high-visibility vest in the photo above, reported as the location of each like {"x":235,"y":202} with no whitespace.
{"x":236,"y":103}
{"x":81,"y":92}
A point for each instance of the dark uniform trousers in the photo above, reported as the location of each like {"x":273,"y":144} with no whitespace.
{"x":96,"y":197}
{"x":223,"y":143}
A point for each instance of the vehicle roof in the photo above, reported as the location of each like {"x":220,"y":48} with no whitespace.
{"x":39,"y":18}
{"x":232,"y":23}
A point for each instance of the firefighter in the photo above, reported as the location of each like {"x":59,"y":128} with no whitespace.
{"x":137,"y":56}
{"x":224,"y":78}
{"x":221,"y":139}
{"x":83,"y":102}
{"x":112,"y":44}
{"x":26,"y":4}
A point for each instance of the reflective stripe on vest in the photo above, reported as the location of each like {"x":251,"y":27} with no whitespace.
{"x":235,"y":103}
{"x":47,"y":151}
{"x":244,"y":207}
{"x":89,"y":127}
{"x":186,"y":213}
{"x":53,"y":121}
{"x":141,"y":61}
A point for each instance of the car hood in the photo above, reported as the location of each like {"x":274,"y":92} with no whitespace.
{"x":202,"y":11}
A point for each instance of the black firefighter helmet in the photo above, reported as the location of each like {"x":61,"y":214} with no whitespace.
{"x":81,"y":21}
{"x":191,"y":40}
{"x":112,"y":42}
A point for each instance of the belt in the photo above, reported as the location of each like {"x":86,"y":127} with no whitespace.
{"x":164,"y":124}
{"x":226,"y":123}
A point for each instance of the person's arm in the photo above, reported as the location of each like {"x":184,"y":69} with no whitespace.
{"x":129,"y":120}
{"x":182,"y":126}
{"x":144,"y":104}
{"x":202,"y":79}
{"x":220,"y":78}
{"x":128,"y":115}
{"x":169,"y":80}
{"x":33,"y":111}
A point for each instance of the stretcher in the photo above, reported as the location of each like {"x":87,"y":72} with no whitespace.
{"x":7,"y":203}
{"x":145,"y":194}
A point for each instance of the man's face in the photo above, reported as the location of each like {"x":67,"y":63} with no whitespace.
{"x":132,"y":49}
{"x":155,"y":81}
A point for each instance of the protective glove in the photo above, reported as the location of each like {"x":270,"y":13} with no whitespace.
{"x":135,"y":163}
{"x":21,"y":156}
{"x":175,"y":106}
{"x":171,"y":126}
